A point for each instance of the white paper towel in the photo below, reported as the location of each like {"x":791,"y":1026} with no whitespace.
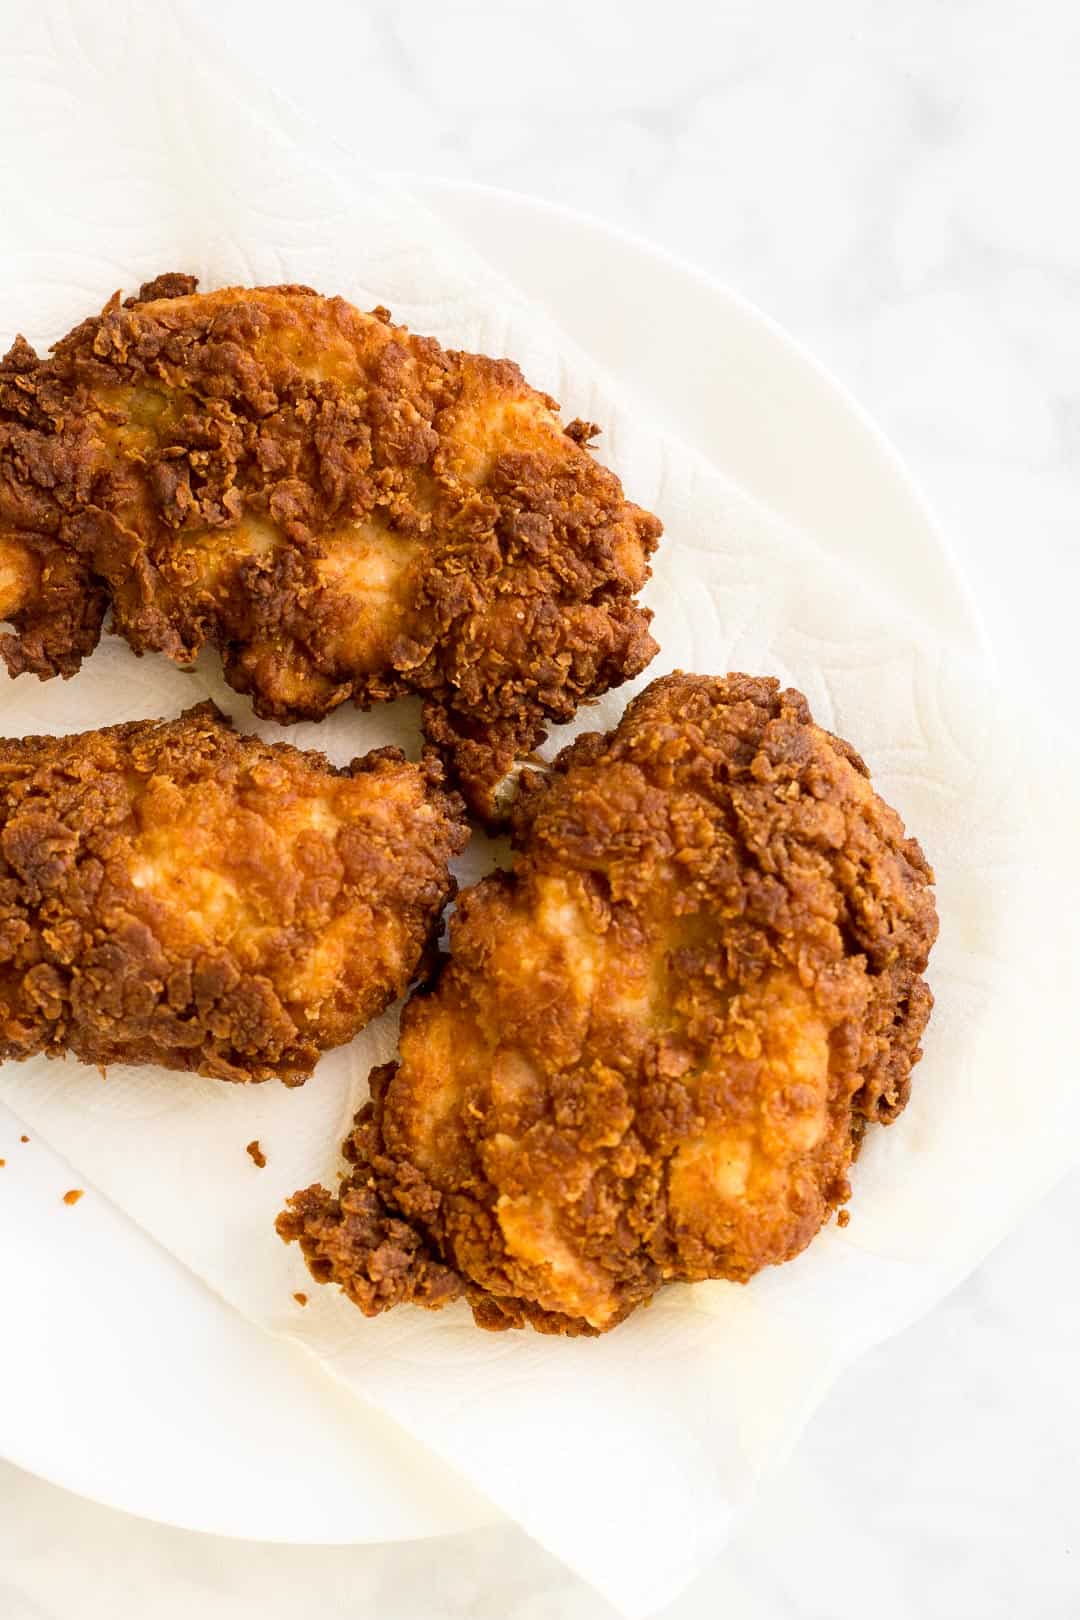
{"x":141,"y":150}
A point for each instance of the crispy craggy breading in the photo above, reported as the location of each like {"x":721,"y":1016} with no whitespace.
{"x":175,"y":893}
{"x":657,"y":1041}
{"x":344,"y":509}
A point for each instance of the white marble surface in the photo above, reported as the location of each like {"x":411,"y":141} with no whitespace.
{"x":894,"y":184}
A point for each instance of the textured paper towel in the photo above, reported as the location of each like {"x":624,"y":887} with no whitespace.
{"x":626,"y":1456}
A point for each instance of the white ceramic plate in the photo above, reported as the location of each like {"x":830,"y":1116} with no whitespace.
{"x":121,"y":1376}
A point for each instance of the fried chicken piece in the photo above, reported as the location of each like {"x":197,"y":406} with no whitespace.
{"x":344,"y":509}
{"x":176,"y":893}
{"x":657,"y":1041}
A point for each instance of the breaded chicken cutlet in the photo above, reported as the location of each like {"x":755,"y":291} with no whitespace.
{"x":345,"y":509}
{"x":175,"y":893}
{"x":658,"y":1040}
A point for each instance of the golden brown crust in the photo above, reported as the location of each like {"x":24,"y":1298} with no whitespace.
{"x":346,"y":510}
{"x":176,"y":893}
{"x":656,"y":1043}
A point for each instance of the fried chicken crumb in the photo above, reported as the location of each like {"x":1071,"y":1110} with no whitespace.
{"x":73,"y":1196}
{"x":24,"y":1139}
{"x":301,"y":1299}
{"x":256,"y":1154}
{"x":843,"y":1217}
{"x":658,"y":1040}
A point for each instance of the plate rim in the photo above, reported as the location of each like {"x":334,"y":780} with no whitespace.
{"x":752,"y":315}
